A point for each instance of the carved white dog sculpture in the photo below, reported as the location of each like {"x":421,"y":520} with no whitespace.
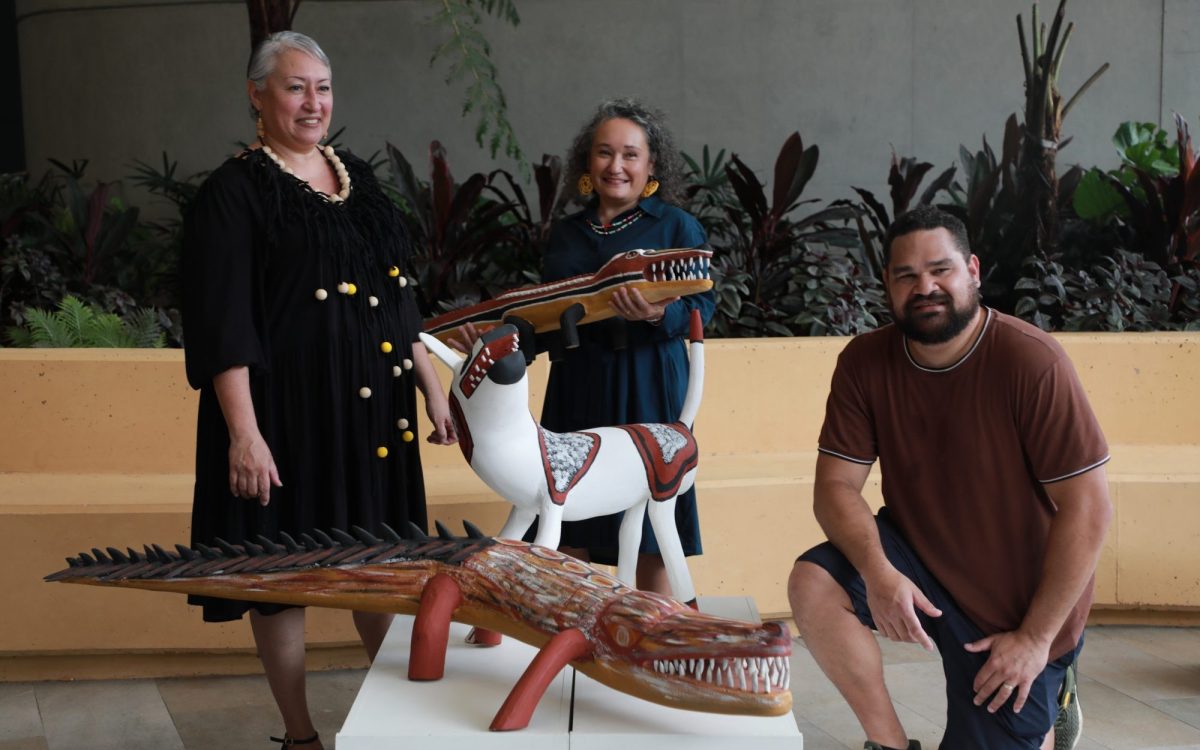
{"x":575,"y":475}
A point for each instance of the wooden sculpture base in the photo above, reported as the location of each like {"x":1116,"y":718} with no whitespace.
{"x":576,"y":712}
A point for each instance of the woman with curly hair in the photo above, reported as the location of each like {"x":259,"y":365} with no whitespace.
{"x":632,"y":368}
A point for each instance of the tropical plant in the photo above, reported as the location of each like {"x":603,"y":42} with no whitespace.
{"x":707,"y":191}
{"x":78,"y":324}
{"x":1164,"y":218}
{"x":1122,"y":292}
{"x":472,"y":240}
{"x":1045,"y":109}
{"x":1141,"y":146}
{"x":756,"y":255}
{"x":61,"y":238}
{"x":904,"y":180}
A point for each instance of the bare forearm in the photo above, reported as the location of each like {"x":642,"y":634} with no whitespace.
{"x":1072,"y":551}
{"x":233,"y":394}
{"x":427,"y":380}
{"x":847,"y":521}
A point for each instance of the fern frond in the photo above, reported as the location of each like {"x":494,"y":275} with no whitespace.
{"x":49,"y":330}
{"x":75,"y":315}
{"x":18,"y":336}
{"x":106,"y":330}
{"x":143,"y":328}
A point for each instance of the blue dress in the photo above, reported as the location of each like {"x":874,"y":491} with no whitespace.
{"x":599,"y":386}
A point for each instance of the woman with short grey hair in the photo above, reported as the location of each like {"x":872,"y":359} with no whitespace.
{"x":301,"y":336}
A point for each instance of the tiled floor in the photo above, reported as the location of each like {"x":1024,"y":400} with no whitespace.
{"x":1139,"y":688}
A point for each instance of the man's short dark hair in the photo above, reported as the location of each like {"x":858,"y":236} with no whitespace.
{"x":922,"y":218}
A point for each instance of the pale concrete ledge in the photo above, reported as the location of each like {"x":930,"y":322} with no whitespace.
{"x":99,"y":451}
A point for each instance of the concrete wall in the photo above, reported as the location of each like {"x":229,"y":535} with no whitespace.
{"x":115,"y":82}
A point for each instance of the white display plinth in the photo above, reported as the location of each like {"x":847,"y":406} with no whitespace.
{"x":454,"y":713}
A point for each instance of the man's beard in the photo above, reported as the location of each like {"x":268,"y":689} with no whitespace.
{"x":957,"y":319}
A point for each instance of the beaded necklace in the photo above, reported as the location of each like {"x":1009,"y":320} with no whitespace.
{"x":616,"y":226}
{"x":343,"y":176}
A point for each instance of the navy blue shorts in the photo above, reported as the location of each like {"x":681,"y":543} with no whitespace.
{"x":968,"y":727}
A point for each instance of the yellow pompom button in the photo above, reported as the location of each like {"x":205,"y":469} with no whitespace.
{"x":351,"y":289}
{"x":364,"y":392}
{"x":393,"y":272}
{"x":408,"y":436}
{"x":386,"y":347}
{"x":321,"y":294}
{"x":381,"y":451}
{"x":402,"y":423}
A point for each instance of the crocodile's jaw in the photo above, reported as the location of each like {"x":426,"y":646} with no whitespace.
{"x":654,"y":648}
{"x":675,"y":690}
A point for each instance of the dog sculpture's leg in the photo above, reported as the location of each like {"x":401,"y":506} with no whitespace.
{"x":662,"y":520}
{"x":549,"y":523}
{"x":519,"y":521}
{"x":629,"y":542}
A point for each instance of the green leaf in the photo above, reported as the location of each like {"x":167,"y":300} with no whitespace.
{"x":1096,"y":200}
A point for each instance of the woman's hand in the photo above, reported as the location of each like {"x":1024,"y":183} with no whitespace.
{"x":464,"y":338}
{"x":436,"y":406}
{"x":631,"y":305}
{"x":252,"y":470}
{"x":438,"y":411}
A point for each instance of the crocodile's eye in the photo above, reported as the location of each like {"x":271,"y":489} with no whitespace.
{"x":622,"y":636}
{"x":631,"y":254}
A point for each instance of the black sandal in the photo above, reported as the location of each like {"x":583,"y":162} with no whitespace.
{"x":288,"y":741}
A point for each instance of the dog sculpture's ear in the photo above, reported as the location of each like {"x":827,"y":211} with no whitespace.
{"x":448,"y":356}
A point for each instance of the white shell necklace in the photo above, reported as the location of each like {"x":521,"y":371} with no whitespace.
{"x":343,"y":176}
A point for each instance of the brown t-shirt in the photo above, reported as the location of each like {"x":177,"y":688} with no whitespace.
{"x":965,"y":452}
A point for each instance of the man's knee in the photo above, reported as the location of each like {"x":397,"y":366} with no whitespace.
{"x":811,"y":588}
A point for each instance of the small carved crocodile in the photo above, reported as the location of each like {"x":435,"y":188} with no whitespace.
{"x":656,"y":274}
{"x":637,"y":642}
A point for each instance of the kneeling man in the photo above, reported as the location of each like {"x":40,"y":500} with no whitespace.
{"x":996,"y":506}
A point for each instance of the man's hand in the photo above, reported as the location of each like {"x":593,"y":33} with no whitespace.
{"x":894,"y":600}
{"x":1016,"y":661}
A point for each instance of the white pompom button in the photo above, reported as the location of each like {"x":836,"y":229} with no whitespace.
{"x":373,"y":301}
{"x":407,"y":363}
{"x":364,"y":392}
{"x":402,"y":423}
{"x":403,"y":281}
{"x":321,"y":295}
{"x":343,"y":288}
{"x":396,"y":371}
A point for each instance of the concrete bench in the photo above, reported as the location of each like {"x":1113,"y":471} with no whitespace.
{"x":98,"y":449}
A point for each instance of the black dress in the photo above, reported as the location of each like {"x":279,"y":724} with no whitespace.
{"x":258,"y":245}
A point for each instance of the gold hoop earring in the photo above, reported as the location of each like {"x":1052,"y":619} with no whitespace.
{"x":650,"y":189}
{"x":585,"y":185}
{"x":259,"y":129}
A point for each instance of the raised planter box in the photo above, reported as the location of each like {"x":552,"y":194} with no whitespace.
{"x":98,"y":449}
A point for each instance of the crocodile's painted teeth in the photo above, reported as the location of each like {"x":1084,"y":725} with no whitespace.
{"x":759,"y":674}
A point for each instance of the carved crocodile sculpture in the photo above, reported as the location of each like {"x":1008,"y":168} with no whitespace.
{"x":637,"y":642}
{"x":656,"y":274}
